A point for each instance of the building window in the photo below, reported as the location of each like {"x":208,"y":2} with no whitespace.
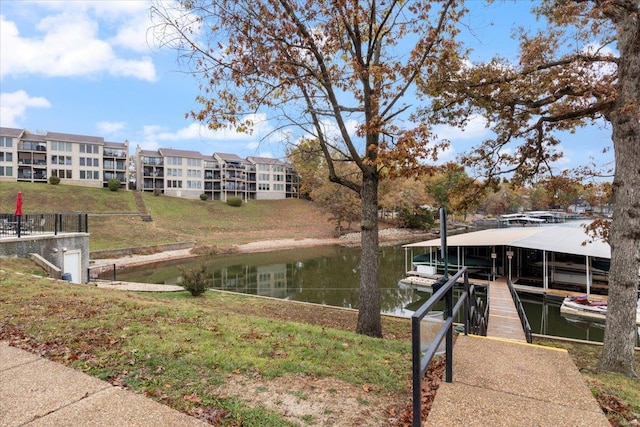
{"x":264,"y":177}
{"x":194,"y":184}
{"x":6,"y":171}
{"x":262,"y":167}
{"x":278,"y":187}
{"x":5,"y":141}
{"x":173,"y":183}
{"x":6,"y":157}
{"x":263,"y":187}
{"x":61,"y":146}
{"x":62,"y":173}
{"x":194,"y":162}
{"x":278,"y":177}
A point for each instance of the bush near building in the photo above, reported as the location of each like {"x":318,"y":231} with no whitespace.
{"x":234,"y":201}
{"x":113,"y":184}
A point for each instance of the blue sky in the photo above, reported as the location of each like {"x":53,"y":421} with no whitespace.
{"x":86,"y":68}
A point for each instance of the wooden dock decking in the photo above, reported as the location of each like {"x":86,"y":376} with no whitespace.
{"x":504,"y":321}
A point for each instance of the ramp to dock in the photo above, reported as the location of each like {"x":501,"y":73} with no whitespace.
{"x":504,"y":321}
{"x":506,"y":383}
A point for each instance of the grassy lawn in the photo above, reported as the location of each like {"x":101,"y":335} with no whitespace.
{"x":210,"y":223}
{"x":186,"y":352}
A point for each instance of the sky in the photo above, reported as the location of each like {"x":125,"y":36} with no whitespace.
{"x":88,"y":68}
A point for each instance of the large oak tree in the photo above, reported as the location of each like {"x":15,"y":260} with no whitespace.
{"x":342,"y":72}
{"x":581,"y":69}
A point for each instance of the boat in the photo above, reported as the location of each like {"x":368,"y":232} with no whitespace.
{"x":590,"y":309}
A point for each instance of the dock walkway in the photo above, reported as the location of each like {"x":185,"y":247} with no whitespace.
{"x":504,"y":321}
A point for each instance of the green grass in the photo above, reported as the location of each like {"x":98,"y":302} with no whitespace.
{"x":181,"y":350}
{"x":211,"y":224}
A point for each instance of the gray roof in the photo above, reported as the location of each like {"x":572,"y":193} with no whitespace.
{"x":122,"y":145}
{"x":228,"y":157}
{"x":149,"y":153}
{"x":265,"y":160}
{"x":564,"y":238}
{"x":33,"y":137}
{"x":170,"y":152}
{"x":69,"y":137}
{"x":12,"y":132}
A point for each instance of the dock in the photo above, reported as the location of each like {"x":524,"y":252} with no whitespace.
{"x":504,"y":321}
{"x":500,"y":380}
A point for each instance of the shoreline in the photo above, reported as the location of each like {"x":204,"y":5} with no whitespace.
{"x":387,"y":237}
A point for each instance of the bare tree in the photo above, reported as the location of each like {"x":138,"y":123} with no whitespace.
{"x":342,"y":72}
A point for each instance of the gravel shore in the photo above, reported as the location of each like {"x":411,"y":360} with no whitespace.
{"x":388,"y":236}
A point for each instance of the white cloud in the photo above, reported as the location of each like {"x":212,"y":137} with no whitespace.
{"x":85,"y":39}
{"x":110,"y":128}
{"x":476,"y":129}
{"x":13,"y":106}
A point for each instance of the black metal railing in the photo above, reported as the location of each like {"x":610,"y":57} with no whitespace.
{"x":442,"y":289}
{"x":30,"y":224}
{"x":524,"y":321}
{"x":477,"y":311}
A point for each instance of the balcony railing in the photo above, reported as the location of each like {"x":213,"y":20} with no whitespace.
{"x":31,"y":224}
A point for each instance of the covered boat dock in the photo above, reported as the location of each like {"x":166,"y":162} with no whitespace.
{"x":537,"y":259}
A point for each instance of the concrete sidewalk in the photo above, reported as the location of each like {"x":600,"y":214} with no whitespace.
{"x":506,"y":383}
{"x":37,"y":392}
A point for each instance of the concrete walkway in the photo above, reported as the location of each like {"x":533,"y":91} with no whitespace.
{"x":37,"y":392}
{"x":507,"y":383}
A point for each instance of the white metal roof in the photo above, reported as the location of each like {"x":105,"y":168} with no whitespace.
{"x":566,"y":238}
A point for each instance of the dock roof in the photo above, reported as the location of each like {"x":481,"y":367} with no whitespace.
{"x":566,"y":238}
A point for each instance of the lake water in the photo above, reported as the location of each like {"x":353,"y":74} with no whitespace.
{"x":329,"y":275}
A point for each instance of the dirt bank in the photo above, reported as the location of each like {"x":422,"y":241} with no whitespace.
{"x":387,"y":237}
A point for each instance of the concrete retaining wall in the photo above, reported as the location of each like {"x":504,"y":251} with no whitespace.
{"x":50,"y":247}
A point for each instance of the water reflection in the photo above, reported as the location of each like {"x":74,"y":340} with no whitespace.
{"x":330,"y":275}
{"x":323,"y":275}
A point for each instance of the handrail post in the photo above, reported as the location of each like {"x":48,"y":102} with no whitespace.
{"x":417,"y":373}
{"x":449,"y":348}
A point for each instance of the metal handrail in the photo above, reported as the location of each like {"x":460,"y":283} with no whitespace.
{"x":420,"y":362}
{"x":524,"y":321}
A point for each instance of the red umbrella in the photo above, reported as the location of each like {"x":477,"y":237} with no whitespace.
{"x":18,"y":211}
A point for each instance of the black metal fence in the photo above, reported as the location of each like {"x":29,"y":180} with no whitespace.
{"x":475,"y":321}
{"x":31,"y":224}
{"x":526,"y":327}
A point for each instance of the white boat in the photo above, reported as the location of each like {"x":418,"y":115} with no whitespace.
{"x":590,"y":309}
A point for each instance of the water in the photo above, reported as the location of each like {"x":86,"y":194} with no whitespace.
{"x":330,"y":275}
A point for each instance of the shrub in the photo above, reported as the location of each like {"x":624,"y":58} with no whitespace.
{"x":157,"y":191}
{"x":203,"y":197}
{"x":113,"y":184}
{"x":54,"y":180}
{"x":234,"y":201}
{"x":418,"y":219}
{"x":195,"y":280}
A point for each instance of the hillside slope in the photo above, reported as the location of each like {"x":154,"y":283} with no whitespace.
{"x":114,"y":221}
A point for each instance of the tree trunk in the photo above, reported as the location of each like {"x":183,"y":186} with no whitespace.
{"x":620,"y":331}
{"x":369,"y":319}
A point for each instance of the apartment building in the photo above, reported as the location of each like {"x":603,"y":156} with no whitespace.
{"x":92,"y":161}
{"x":189,"y":174}
{"x":75,"y":159}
